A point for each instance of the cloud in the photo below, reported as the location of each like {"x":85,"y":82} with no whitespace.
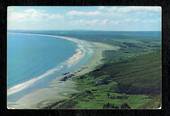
{"x":93,"y":22}
{"x":92,"y":18}
{"x":130,"y":11}
{"x":132,"y":14}
{"x":83,"y":13}
{"x":31,"y":15}
{"x":89,"y":22}
{"x":31,"y":19}
{"x":141,"y":9}
{"x":127,"y":9}
{"x":101,"y":7}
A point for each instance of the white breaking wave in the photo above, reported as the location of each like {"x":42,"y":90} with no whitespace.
{"x":75,"y":58}
{"x":26,"y":84}
{"x":80,"y":52}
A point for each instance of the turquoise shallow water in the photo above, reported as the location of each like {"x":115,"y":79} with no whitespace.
{"x":41,"y":58}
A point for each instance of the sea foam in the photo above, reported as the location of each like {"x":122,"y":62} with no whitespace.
{"x":80,"y":52}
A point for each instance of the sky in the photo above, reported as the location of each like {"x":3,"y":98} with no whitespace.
{"x":106,"y":18}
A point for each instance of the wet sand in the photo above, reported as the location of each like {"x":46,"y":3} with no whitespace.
{"x":59,"y":90}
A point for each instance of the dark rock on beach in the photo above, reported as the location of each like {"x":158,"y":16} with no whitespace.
{"x":67,"y":77}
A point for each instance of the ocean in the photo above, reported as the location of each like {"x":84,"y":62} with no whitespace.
{"x":34,"y":60}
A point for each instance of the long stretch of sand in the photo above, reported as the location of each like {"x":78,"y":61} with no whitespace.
{"x":60,"y":90}
{"x":72,"y":60}
{"x":96,"y":60}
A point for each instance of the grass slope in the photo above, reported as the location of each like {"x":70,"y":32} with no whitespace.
{"x":132,"y":83}
{"x":141,"y":74}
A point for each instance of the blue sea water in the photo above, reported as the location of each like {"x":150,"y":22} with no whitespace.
{"x":30,"y":55}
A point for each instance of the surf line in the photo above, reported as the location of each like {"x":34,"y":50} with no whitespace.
{"x":75,"y":58}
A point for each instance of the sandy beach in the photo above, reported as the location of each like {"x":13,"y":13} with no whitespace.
{"x":79,"y":53}
{"x":96,"y":60}
{"x":59,"y":90}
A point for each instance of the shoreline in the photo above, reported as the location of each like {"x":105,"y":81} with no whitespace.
{"x":59,"y":90}
{"x":97,"y":57}
{"x":78,"y":55}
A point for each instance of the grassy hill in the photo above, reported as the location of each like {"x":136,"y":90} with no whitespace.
{"x":131,"y":83}
{"x":141,"y":74}
{"x":130,"y":77}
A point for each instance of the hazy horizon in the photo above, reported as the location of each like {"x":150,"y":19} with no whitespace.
{"x":91,"y":30}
